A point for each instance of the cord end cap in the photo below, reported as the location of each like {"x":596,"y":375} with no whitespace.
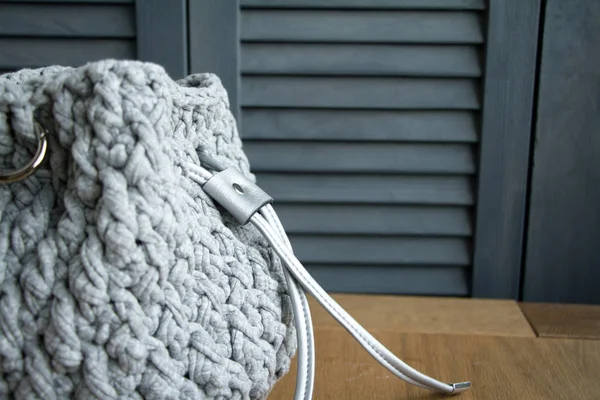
{"x":460,"y":387}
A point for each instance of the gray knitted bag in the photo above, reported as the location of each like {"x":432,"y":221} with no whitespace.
{"x":120,"y":276}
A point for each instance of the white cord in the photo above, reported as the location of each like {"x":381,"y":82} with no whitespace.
{"x":372,"y":345}
{"x":305,"y":374}
{"x":269,"y":225}
{"x":197,"y":173}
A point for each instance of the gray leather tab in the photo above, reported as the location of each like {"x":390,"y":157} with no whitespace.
{"x":238,"y":195}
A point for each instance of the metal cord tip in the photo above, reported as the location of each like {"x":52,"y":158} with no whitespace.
{"x":460,"y":387}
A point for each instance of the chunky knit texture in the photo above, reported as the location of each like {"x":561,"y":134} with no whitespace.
{"x":119,"y":277}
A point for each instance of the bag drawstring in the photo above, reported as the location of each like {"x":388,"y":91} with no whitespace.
{"x":250,"y":204}
{"x":246,"y":201}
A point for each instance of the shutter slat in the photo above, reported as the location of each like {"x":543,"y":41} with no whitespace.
{"x":67,"y":20}
{"x":33,"y":52}
{"x":393,"y":279}
{"x":366,"y":93}
{"x":368,"y":4}
{"x":441,"y":159}
{"x":381,"y":250}
{"x":330,"y":188}
{"x":72,"y":1}
{"x":361,"y":26}
{"x":371,"y":125}
{"x":356,"y":219}
{"x":360,"y":59}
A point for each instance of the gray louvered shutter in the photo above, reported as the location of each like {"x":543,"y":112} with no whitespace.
{"x":398,"y":160}
{"x":361,"y":119}
{"x":73,"y":32}
{"x":67,"y":33}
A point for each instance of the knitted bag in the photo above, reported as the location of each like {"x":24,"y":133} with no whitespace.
{"x":120,"y":277}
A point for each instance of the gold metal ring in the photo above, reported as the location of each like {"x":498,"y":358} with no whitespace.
{"x":29,"y":168}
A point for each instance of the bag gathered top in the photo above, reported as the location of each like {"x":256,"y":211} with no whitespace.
{"x":138,"y":257}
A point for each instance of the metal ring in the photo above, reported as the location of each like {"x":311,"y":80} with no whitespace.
{"x":29,"y":168}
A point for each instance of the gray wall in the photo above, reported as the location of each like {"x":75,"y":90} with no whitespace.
{"x":563,"y":253}
{"x":395,"y":135}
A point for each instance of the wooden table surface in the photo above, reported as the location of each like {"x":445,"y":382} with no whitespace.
{"x":507,"y":350}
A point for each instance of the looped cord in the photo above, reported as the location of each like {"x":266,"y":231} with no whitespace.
{"x":267,"y":222}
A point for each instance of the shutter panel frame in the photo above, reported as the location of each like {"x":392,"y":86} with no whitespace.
{"x":508,"y":99}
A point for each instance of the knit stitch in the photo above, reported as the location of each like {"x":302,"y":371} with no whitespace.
{"x":119,"y":277}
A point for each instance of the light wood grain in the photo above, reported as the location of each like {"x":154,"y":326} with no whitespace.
{"x":499,"y":367}
{"x":573,"y":321}
{"x":429,"y":315}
